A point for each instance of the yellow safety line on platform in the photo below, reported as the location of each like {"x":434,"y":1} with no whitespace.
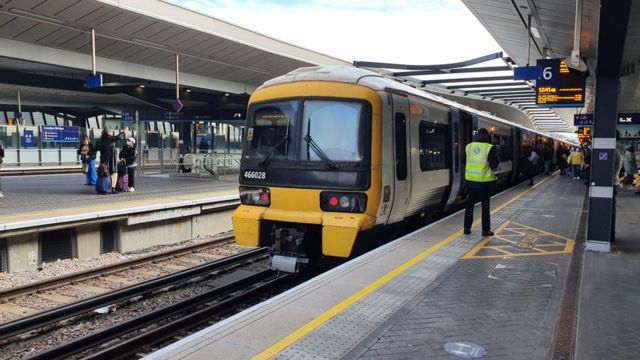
{"x":302,"y":331}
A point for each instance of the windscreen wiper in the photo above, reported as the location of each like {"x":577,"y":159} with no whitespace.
{"x":265,"y":159}
{"x":311,"y":143}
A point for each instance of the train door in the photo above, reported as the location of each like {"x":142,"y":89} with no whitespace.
{"x":468,"y":124}
{"x":457,"y":163}
{"x":402,"y":179}
{"x":516,"y":154}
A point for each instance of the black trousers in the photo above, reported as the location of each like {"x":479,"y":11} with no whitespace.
{"x":473,"y":196}
{"x":131,"y":172}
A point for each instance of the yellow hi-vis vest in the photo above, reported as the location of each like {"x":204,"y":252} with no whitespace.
{"x":478,"y":168}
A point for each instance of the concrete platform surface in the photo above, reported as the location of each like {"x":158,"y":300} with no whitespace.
{"x":31,"y":193}
{"x":410,"y":297}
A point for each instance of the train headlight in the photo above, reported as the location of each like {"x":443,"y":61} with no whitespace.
{"x":343,"y":202}
{"x":255,"y":196}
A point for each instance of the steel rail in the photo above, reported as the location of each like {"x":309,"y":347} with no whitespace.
{"x":165,"y":331}
{"x":107,"y":269}
{"x":64,"y":312}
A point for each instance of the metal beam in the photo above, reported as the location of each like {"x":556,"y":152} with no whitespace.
{"x":470,"y":62}
{"x":519,"y":88}
{"x":487,"y":78}
{"x":71,"y":59}
{"x":507,"y":93}
{"x":515,"y":83}
{"x":452,"y":71}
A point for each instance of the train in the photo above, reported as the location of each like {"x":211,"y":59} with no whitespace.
{"x":333,"y":155}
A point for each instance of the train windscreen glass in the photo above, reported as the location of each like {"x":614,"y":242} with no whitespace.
{"x":271,"y":135}
{"x":334,"y":126}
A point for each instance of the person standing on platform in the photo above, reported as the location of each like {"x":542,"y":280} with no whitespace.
{"x":87,"y":153}
{"x":547,"y":156}
{"x":107,"y":152}
{"x":129,"y":154}
{"x":576,"y":160}
{"x":481,"y":161}
{"x":630,"y":167}
{"x":528,"y":162}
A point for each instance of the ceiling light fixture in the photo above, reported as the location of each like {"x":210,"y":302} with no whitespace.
{"x":147,"y":43}
{"x":534,"y":31}
{"x":37,"y":16}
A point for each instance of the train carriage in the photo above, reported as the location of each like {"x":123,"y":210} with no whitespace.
{"x":332,"y":153}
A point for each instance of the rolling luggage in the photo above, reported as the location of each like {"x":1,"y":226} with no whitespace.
{"x":103,"y":184}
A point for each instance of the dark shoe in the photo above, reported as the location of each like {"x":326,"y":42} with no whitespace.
{"x":467,"y":231}
{"x":487,"y":233}
{"x":530,"y":184}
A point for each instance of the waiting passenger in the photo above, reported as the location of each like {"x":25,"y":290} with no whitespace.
{"x":129,"y":154}
{"x":576,"y":160}
{"x":630,"y":167}
{"x":528,"y":162}
{"x":87,"y":153}
{"x":107,"y":154}
{"x":561,"y":159}
{"x":481,"y":161}
{"x":547,"y":156}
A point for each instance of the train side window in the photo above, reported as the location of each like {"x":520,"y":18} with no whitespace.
{"x":432,"y":142}
{"x":400,"y":125}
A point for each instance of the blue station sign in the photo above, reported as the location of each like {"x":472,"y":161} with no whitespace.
{"x":583,"y":120}
{"x":60,"y":134}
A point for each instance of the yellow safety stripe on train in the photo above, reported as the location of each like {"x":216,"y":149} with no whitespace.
{"x":512,"y":239}
{"x":318,"y":321}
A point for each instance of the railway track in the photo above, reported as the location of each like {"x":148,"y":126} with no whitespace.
{"x":58,"y":314}
{"x":125,"y":340}
{"x":226,"y":281}
{"x":15,"y":302}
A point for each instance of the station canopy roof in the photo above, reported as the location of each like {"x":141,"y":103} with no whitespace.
{"x":136,"y":44}
{"x":552,"y":36}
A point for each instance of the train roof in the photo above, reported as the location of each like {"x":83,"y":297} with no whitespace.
{"x":378,"y":82}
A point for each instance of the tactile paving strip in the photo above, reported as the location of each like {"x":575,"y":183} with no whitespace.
{"x":335,"y":338}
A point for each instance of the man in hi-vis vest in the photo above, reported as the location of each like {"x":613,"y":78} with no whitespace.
{"x":481,"y":161}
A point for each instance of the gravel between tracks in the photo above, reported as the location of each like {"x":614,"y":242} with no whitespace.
{"x":63,"y":267}
{"x":20,"y":349}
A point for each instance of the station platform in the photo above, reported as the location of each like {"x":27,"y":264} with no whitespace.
{"x":514,"y":294}
{"x":34,"y":200}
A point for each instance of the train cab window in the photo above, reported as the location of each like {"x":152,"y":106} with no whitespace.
{"x":400,"y":125}
{"x":334,"y":129}
{"x":271,"y":133}
{"x":432,"y":140}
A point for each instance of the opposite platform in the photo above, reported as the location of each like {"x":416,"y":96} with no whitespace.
{"x":51,"y":199}
{"x":502,"y":293}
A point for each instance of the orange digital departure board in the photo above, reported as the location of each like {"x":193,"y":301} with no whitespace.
{"x":558,"y":86}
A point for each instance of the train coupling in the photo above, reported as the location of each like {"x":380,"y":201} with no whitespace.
{"x":288,"y":264}
{"x":287,"y":251}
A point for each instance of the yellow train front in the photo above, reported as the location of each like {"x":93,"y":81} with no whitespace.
{"x":309,"y":178}
{"x":332,"y":154}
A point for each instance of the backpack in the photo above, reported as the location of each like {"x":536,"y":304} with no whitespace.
{"x":103,"y":185}
{"x":103,"y":171}
{"x":122,"y":169}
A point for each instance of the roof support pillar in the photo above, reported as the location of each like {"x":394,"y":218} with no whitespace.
{"x":614,"y":15}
